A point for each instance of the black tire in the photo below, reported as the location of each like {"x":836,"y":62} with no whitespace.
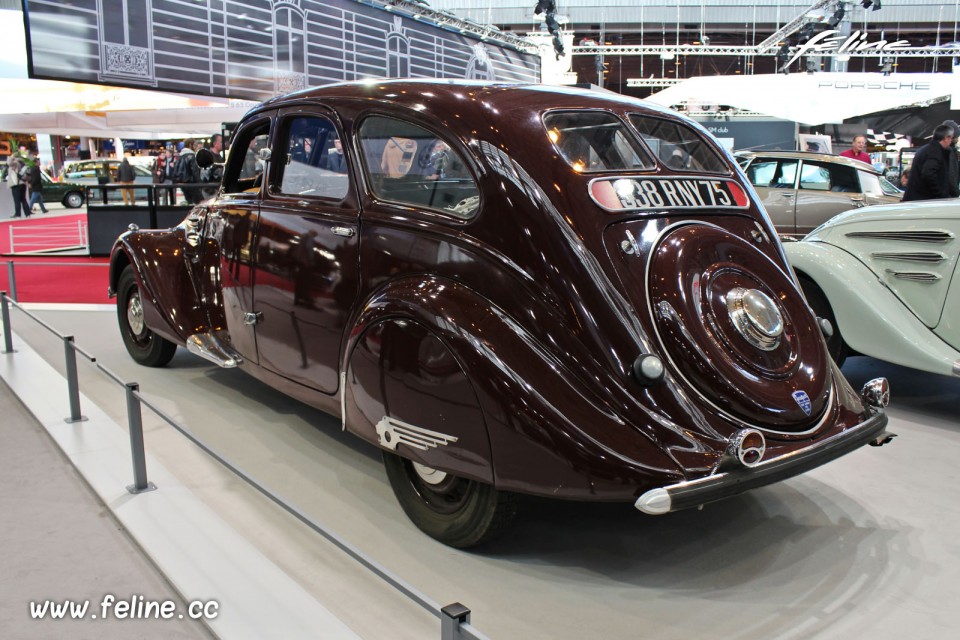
{"x":143,"y":345}
{"x":73,"y":200}
{"x":836,"y":346}
{"x":458,"y":512}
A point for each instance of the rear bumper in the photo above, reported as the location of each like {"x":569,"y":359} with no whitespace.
{"x":693,"y":493}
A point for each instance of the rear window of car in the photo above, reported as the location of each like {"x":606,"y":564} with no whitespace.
{"x":595,"y":141}
{"x":410,"y":165}
{"x":678,"y":146}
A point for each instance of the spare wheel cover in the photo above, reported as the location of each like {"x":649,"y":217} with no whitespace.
{"x":737,"y":330}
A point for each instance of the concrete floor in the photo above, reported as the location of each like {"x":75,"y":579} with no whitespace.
{"x":863,"y":547}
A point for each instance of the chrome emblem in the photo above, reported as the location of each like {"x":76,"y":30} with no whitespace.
{"x":802,"y":399}
{"x":392,"y":432}
{"x":756,"y":317}
{"x":748,"y":445}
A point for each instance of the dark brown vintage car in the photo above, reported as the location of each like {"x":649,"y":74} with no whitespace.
{"x":509,"y":290}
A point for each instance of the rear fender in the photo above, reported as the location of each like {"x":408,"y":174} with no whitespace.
{"x":434,"y":355}
{"x":870,"y":317}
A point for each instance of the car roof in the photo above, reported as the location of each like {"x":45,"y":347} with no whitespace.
{"x":809,"y":155}
{"x":470,"y":97}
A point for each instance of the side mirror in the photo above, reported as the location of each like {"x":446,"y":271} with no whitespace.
{"x":205,"y":158}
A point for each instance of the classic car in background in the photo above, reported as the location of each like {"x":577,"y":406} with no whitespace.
{"x":886,"y":279}
{"x":509,"y":290}
{"x":802,"y":190}
{"x":70,"y":194}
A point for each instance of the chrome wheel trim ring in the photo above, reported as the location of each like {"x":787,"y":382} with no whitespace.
{"x":429,"y":475}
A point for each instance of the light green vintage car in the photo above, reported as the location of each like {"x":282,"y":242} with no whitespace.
{"x":884,"y":277}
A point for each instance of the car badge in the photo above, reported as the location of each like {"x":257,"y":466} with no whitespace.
{"x":803,"y":400}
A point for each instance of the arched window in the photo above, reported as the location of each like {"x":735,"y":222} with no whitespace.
{"x":289,"y":47}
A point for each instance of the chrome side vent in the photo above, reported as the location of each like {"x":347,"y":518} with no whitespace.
{"x":933,"y":257}
{"x":905,"y":236}
{"x":914,"y":276}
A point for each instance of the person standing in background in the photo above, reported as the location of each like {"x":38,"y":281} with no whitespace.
{"x":928,"y":173}
{"x":858,"y":150}
{"x":953,"y":166}
{"x":35,"y":183}
{"x":126,"y":175}
{"x":18,"y":187}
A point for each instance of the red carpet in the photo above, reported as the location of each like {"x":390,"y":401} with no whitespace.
{"x":51,"y":277}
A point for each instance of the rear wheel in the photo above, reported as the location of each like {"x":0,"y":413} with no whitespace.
{"x":821,"y":308}
{"x":144,"y":346}
{"x":73,"y":200}
{"x":458,"y":512}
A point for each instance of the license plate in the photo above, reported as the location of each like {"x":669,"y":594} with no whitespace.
{"x":625,"y":194}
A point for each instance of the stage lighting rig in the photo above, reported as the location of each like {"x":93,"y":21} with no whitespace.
{"x":549,"y":9}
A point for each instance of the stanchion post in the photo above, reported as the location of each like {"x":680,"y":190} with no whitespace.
{"x":135,"y":424}
{"x":451,"y":617}
{"x":73,"y":386}
{"x":7,"y":329}
{"x":12,"y":280}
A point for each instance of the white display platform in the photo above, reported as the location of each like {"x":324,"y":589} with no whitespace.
{"x":862,"y":547}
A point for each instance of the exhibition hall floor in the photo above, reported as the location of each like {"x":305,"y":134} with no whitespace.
{"x":864,"y":547}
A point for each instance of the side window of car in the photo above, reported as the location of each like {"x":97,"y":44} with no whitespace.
{"x":815,"y":177}
{"x":761,"y":172}
{"x":245,"y":166}
{"x":410,"y":165}
{"x":870,"y":184}
{"x":313,"y":160}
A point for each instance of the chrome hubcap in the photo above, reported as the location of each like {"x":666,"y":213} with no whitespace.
{"x":756,"y":317}
{"x":429,"y":475}
{"x":135,"y":314}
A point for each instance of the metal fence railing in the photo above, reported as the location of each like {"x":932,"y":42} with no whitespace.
{"x":454,"y":618}
{"x":54,"y":236}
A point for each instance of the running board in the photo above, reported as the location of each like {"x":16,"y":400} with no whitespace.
{"x":212,"y":348}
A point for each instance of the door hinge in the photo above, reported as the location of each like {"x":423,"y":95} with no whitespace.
{"x":253,"y":317}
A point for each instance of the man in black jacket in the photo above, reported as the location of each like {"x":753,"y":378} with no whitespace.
{"x":35,"y":183}
{"x":929,"y":171}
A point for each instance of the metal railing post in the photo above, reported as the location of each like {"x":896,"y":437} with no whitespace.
{"x":73,"y":386}
{"x":135,"y":424}
{"x":7,"y":329}
{"x":12,"y":280}
{"x":451,"y":617}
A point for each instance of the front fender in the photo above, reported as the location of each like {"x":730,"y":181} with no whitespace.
{"x":536,"y":429}
{"x":871,"y":319}
{"x":161,"y":266}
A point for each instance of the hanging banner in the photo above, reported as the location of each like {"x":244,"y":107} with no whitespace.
{"x":255,"y":49}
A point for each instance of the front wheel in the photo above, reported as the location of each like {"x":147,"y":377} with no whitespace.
{"x":836,"y":346}
{"x":143,"y":345}
{"x":73,"y":200}
{"x":458,"y":512}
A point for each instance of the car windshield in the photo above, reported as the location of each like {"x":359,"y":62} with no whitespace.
{"x":595,"y":141}
{"x":678,"y":146}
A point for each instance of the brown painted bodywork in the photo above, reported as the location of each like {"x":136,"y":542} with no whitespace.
{"x":514,"y":331}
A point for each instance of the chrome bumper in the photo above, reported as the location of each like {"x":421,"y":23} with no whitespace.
{"x":693,"y":493}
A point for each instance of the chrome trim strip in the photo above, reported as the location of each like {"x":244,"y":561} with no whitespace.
{"x":343,"y":400}
{"x":914,"y":276}
{"x":933,"y":257}
{"x":905,"y":236}
{"x":692,"y":493}
{"x":209,"y":347}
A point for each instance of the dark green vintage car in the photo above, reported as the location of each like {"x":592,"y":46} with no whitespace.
{"x":68,"y":193}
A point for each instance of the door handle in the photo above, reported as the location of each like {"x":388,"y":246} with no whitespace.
{"x":787,"y":194}
{"x":860,"y":202}
{"x":346,"y":232}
